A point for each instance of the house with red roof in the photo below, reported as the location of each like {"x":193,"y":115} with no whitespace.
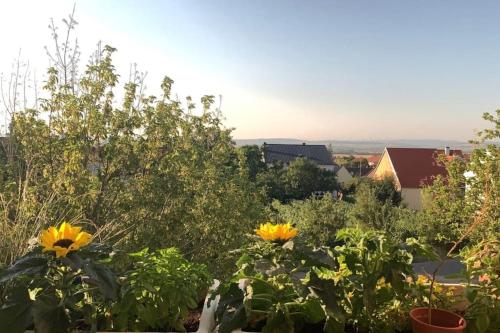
{"x":412,"y":169}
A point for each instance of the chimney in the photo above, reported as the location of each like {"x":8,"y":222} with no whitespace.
{"x":447,"y":151}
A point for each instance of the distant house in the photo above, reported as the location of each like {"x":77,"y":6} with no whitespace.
{"x":343,"y":175}
{"x":373,"y":160}
{"x":359,"y":171}
{"x":412,"y":169}
{"x":287,"y":153}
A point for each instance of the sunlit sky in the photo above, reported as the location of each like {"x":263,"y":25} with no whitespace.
{"x":295,"y":69}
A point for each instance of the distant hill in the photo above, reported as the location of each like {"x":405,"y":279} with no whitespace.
{"x":363,"y":146}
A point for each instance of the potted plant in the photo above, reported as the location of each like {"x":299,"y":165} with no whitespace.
{"x":269,"y":292}
{"x":429,"y":319}
{"x":162,"y":291}
{"x":69,"y":284}
{"x":56,"y":288}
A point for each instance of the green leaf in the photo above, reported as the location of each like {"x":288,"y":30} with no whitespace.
{"x":49,"y":316}
{"x":313,"y":310}
{"x":16,"y":315}
{"x":278,"y":322}
{"x":329,"y":294}
{"x":28,"y":265}
{"x":333,"y":325}
{"x":230,"y":311}
{"x":482,"y":322}
{"x":103,"y":277}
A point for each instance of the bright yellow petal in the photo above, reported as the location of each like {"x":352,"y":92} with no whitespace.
{"x":64,"y":230}
{"x":48,"y":238}
{"x":82,"y":239}
{"x":67,"y":231}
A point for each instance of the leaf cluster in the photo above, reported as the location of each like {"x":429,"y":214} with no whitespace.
{"x":56,"y":295}
{"x":158,"y":290}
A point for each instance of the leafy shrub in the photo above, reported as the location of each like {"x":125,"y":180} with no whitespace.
{"x":483,"y":262}
{"x":267,"y":293}
{"x":471,"y":187}
{"x":317,"y":219}
{"x":297,"y":181}
{"x":365,"y":282}
{"x":158,"y":291}
{"x":406,"y":223}
{"x":151,"y":170}
{"x":382,"y":190}
{"x":375,"y":274}
{"x":57,"y":293}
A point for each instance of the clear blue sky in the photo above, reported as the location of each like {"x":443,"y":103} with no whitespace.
{"x":304,"y":69}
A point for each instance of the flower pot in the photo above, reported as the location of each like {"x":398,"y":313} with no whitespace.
{"x":442,"y":321}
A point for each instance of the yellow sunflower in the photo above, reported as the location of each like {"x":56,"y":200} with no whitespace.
{"x":64,"y":240}
{"x":276,"y":232}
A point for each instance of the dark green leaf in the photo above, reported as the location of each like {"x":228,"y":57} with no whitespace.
{"x":49,"y":317}
{"x":103,"y":277}
{"x":313,"y":311}
{"x":16,"y":315}
{"x":230,"y":310}
{"x":29,"y":265}
{"x":278,"y":322}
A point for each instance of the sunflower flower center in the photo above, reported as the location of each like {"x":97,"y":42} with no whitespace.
{"x":64,"y":243}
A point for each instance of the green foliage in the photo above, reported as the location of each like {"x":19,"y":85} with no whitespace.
{"x":318,"y":219}
{"x":303,"y":177}
{"x":150,"y":171}
{"x":483,"y":261}
{"x":470,"y":193}
{"x":252,"y":157}
{"x":366,"y":282}
{"x":296,"y":182}
{"x":377,"y":206}
{"x":406,"y":223}
{"x":158,"y":291}
{"x":56,"y":295}
{"x":384,"y":191}
{"x":376,"y":271}
{"x":444,"y":203}
{"x":266,"y":293}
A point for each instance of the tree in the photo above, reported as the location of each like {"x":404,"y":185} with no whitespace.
{"x":470,"y":188}
{"x":303,"y":177}
{"x":252,"y":158}
{"x":149,"y":172}
{"x":374,"y":203}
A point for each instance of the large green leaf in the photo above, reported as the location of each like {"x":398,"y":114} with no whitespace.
{"x":329,"y":294}
{"x":103,"y":277}
{"x":15,"y":314}
{"x":230,"y":311}
{"x":313,"y":310}
{"x":278,"y":322}
{"x":49,"y":316}
{"x":28,"y":265}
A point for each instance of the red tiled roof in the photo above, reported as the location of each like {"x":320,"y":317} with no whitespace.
{"x":416,"y":167}
{"x":373,"y":159}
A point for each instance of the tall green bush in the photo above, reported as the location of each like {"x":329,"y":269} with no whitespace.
{"x":317,"y":219}
{"x":152,"y":171}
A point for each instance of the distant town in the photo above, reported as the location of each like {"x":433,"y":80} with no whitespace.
{"x":362,"y":147}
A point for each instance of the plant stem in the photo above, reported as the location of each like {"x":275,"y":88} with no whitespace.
{"x":478,"y":219}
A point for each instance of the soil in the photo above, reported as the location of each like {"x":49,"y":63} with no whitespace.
{"x":192,"y":321}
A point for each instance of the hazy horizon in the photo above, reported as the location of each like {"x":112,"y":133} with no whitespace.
{"x":320,"y":70}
